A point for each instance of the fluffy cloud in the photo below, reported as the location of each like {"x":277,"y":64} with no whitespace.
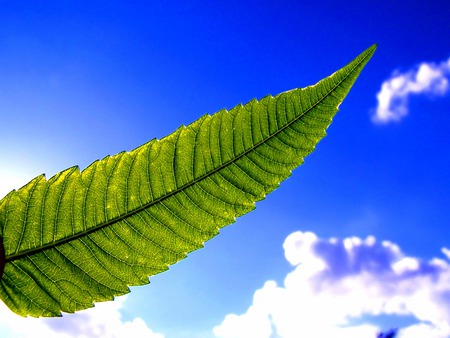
{"x":339,"y":286}
{"x":104,"y":320}
{"x":427,"y":78}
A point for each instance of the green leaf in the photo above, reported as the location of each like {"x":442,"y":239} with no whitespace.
{"x":84,"y":237}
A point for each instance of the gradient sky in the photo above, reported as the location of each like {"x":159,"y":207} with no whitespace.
{"x":84,"y":79}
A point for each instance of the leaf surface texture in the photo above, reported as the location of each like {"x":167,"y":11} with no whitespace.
{"x":85,"y":236}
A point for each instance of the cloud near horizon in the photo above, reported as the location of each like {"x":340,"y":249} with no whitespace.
{"x":339,"y":286}
{"x":427,"y":78}
{"x":102,"y":321}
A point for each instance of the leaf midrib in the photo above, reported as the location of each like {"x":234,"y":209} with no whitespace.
{"x":130,"y":213}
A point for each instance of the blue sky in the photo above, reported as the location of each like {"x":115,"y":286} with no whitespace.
{"x":81,"y":80}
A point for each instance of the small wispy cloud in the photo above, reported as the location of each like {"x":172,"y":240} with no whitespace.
{"x":427,"y":78}
{"x":102,"y":321}
{"x":338,"y":286}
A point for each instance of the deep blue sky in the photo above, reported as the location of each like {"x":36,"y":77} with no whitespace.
{"x":80,"y":80}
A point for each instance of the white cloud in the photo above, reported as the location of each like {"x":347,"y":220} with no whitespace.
{"x":427,"y":78}
{"x":337,"y":285}
{"x":104,"y":320}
